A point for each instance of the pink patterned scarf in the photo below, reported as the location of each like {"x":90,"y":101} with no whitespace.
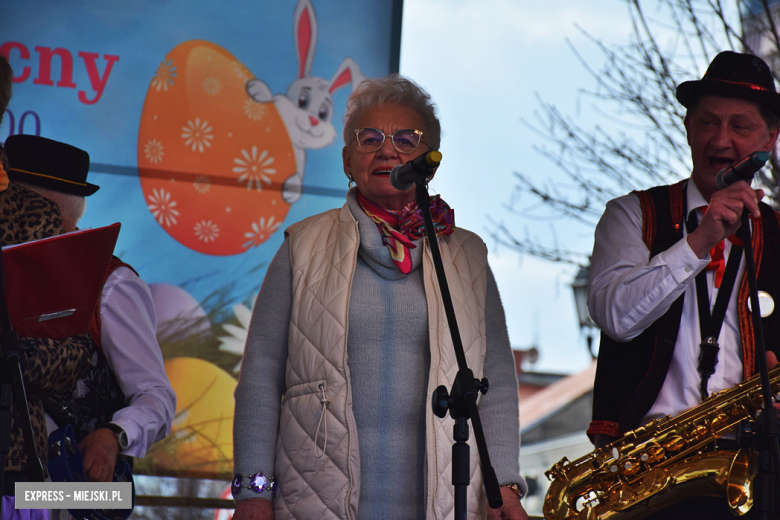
{"x":400,"y":228}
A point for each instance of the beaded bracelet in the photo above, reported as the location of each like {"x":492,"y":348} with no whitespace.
{"x":514,"y":488}
{"x":257,"y":483}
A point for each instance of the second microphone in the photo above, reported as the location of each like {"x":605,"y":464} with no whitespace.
{"x":404,"y":176}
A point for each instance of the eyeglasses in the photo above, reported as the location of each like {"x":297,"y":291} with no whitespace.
{"x":371,"y":139}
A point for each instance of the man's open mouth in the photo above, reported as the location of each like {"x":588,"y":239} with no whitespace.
{"x":720,"y":162}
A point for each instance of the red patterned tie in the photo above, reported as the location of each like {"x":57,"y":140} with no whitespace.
{"x":717,"y":262}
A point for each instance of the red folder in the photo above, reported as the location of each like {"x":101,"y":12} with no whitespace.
{"x":52,"y":285}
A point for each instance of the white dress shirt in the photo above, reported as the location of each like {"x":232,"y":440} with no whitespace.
{"x":128,"y":335}
{"x":128,"y":338}
{"x":628,"y":291}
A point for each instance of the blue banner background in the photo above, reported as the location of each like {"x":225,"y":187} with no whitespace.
{"x":141,"y":33}
{"x":202,"y":351}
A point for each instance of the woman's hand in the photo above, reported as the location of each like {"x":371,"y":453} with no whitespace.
{"x":254,"y":509}
{"x":511,"y":510}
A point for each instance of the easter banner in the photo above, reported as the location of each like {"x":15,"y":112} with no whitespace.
{"x":211,"y":127}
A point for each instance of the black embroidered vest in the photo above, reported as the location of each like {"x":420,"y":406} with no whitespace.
{"x":630,"y":375}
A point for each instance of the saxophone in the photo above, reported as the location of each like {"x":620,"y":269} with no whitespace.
{"x":663,"y":462}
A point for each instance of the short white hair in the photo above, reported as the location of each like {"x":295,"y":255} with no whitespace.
{"x":393,"y":90}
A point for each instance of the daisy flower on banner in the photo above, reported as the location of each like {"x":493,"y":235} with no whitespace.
{"x":238,"y":333}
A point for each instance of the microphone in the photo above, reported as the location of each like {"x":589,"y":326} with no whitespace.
{"x":404,"y":176}
{"x":744,"y":170}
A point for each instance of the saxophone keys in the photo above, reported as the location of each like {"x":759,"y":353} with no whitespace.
{"x":674,"y":443}
{"x":631,"y":467}
{"x":653,"y":454}
{"x":720,"y":421}
{"x":699,"y":433}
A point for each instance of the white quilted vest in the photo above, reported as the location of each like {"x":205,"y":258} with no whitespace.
{"x":317,"y":406}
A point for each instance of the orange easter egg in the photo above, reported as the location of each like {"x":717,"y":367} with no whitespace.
{"x":211,"y":160}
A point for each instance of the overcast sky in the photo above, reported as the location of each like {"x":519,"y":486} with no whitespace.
{"x":484,"y":63}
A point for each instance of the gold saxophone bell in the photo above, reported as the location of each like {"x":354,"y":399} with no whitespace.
{"x":663,"y":462}
{"x":739,"y":485}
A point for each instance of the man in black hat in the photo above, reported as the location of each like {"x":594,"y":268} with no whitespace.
{"x":125,"y":403}
{"x":49,"y":367}
{"x":25,"y":215}
{"x":662,"y":255}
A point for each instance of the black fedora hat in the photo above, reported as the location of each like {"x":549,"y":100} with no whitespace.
{"x":732,"y":74}
{"x":48,"y":164}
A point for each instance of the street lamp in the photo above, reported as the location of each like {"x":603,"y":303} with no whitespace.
{"x":580,"y":288}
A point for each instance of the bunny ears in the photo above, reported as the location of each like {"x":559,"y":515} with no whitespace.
{"x":305,"y":31}
{"x":348,"y":73}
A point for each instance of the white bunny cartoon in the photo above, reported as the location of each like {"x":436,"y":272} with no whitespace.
{"x":306,"y":108}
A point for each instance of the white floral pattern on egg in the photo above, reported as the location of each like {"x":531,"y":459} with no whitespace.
{"x":211,"y":159}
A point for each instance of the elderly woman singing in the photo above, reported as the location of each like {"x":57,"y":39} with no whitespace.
{"x":349,"y":339}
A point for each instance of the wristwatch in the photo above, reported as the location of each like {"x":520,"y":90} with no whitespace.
{"x":121,"y":435}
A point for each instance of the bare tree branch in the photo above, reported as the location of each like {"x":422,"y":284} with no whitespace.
{"x":641,"y":140}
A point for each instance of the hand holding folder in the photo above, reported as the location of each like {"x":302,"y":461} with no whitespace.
{"x":52,"y":285}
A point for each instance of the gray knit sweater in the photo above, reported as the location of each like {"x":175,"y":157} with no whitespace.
{"x":388,"y":359}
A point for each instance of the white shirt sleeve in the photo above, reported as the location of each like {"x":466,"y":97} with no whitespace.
{"x":128,"y":334}
{"x":628,"y":290}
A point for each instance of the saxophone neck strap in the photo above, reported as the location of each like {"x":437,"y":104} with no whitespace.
{"x":710,"y":324}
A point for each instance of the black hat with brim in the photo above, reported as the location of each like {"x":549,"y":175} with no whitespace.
{"x":49,"y":164}
{"x":734,"y":75}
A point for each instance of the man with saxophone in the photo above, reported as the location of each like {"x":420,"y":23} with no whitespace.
{"x":667,"y":285}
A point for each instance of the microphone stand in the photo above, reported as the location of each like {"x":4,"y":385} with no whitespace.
{"x":10,"y":370}
{"x":461,"y":401}
{"x":768,"y":440}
